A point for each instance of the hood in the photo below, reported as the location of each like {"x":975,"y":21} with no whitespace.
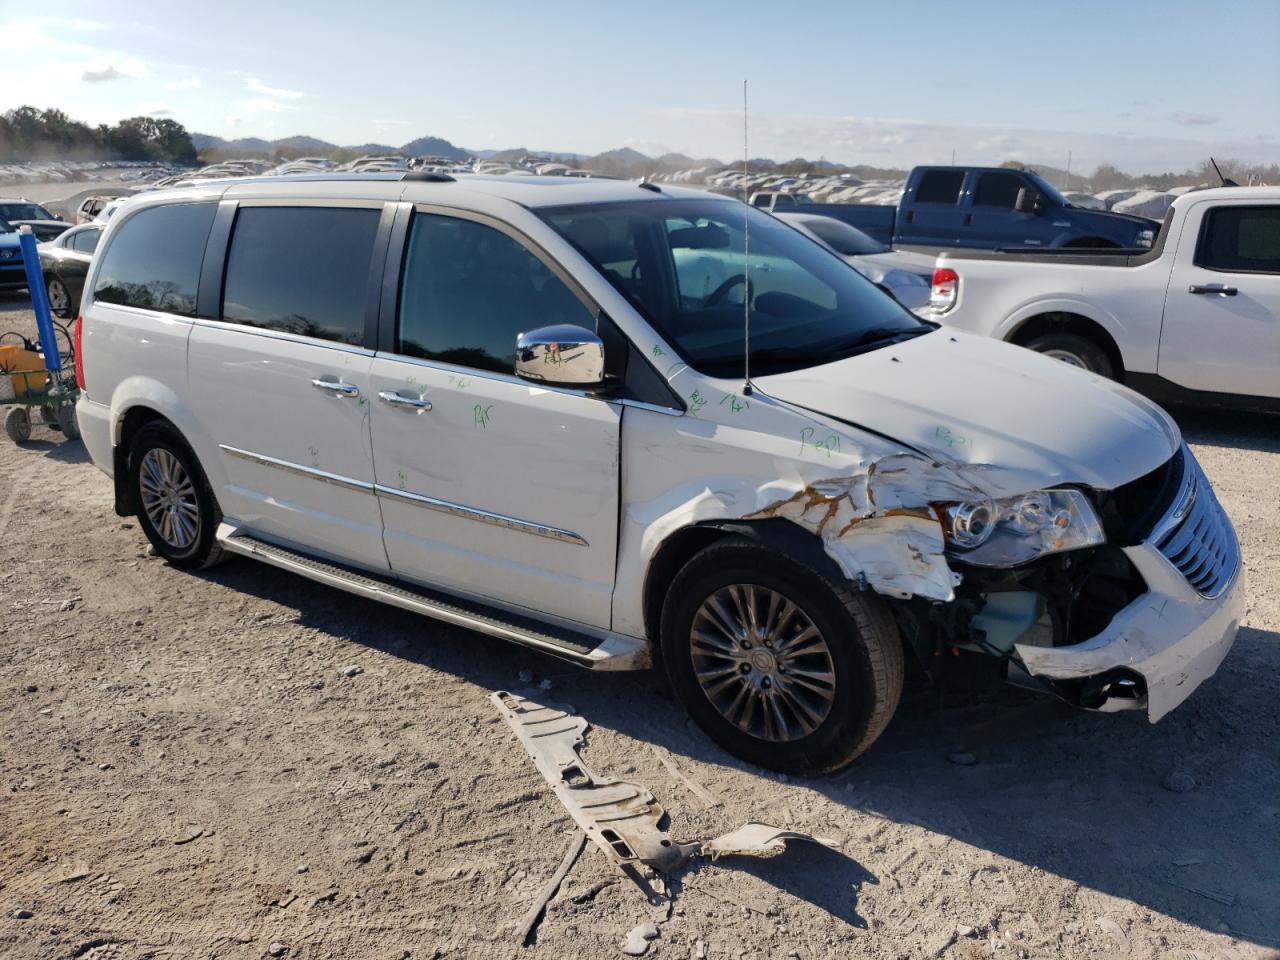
{"x":43,"y":229}
{"x":1021,"y":421}
{"x":910,"y":289}
{"x":919,"y":263}
{"x":1102,"y":219}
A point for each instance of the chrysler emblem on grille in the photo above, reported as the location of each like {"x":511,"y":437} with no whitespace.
{"x":6,"y":254}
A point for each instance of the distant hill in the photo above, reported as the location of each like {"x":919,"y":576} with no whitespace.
{"x":434,"y":147}
{"x":304,"y":146}
{"x":246,"y":146}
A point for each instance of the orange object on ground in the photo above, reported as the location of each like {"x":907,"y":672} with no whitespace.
{"x":25,"y":369}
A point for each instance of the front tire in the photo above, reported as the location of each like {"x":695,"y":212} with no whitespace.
{"x":777,"y":663}
{"x":176,"y":507}
{"x":1075,"y":351}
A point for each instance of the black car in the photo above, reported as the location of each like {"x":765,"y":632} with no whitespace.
{"x":19,"y":213}
{"x":65,"y":261}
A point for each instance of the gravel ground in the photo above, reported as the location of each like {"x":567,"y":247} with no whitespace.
{"x":188,"y":770}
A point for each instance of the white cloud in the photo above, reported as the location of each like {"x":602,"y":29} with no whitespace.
{"x":186,"y":83}
{"x":105,"y":75}
{"x":891,"y":141}
{"x":156,"y":110}
{"x":263,"y":105}
{"x":267,"y":99}
{"x":107,"y":67}
{"x":1184,"y":119}
{"x":254,"y":85}
{"x":233,"y":121}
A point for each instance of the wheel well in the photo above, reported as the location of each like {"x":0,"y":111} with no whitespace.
{"x":135,"y":418}
{"x":1073,"y":323}
{"x":679,"y":548}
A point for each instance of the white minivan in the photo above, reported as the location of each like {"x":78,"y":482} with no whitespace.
{"x":521,"y":405}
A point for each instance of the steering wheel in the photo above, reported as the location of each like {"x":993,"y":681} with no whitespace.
{"x":719,"y":292}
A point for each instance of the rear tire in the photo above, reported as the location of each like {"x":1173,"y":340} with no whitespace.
{"x":67,"y":422}
{"x":176,"y":507}
{"x":815,"y":695}
{"x":1074,"y":350}
{"x":17,"y":424}
{"x":59,"y":298}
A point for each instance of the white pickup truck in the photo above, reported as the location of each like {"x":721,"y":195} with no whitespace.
{"x":1195,"y":319}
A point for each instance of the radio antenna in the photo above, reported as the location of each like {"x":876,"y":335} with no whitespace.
{"x":746,"y":259}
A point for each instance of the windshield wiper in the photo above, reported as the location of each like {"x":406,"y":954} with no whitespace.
{"x":881,"y":334}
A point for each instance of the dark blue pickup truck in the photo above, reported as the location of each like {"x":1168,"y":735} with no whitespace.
{"x":983,"y":207}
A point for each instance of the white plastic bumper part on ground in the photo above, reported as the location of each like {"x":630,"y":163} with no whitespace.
{"x":1171,"y":636}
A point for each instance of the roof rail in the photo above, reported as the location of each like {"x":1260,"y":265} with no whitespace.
{"x":429,"y":176}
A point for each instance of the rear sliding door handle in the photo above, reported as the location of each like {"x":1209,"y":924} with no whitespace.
{"x":339,"y":389}
{"x":1218,"y":288}
{"x":417,"y":404}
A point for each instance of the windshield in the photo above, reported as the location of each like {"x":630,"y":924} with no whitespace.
{"x":1048,"y":189}
{"x":4,"y":226}
{"x":843,"y":239}
{"x":24,"y":211}
{"x":680,"y":263}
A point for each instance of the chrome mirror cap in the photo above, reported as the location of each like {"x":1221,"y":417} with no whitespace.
{"x":564,"y":355}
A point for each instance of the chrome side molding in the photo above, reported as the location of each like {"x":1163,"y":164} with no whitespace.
{"x":417,"y":499}
{"x":483,"y":516}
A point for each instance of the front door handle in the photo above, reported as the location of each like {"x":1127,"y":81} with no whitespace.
{"x":417,"y":404}
{"x":1218,"y":288}
{"x":339,"y":389}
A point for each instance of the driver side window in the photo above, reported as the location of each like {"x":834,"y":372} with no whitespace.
{"x":468,"y":290}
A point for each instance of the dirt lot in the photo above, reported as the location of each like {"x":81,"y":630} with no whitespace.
{"x":188,"y":771}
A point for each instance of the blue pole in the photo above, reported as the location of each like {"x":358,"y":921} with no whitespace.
{"x":40,"y":303}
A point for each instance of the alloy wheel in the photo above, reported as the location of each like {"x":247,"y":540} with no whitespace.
{"x":169,"y":498}
{"x":59,"y":299}
{"x":762,"y":663}
{"x":1067,"y":357}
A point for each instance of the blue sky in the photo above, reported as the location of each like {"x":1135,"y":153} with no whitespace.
{"x":1148,"y":86}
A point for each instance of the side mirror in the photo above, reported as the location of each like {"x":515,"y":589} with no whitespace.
{"x":564,"y":356}
{"x":1028,"y":200}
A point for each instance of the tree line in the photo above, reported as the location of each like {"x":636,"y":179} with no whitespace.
{"x":28,"y":133}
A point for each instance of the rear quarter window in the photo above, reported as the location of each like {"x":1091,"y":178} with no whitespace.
{"x":1240,"y":239}
{"x":154,"y":259}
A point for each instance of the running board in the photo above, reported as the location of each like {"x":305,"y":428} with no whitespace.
{"x":611,"y":652}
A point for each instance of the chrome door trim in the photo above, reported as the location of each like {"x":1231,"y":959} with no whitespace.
{"x":417,"y":499}
{"x":296,"y":468}
{"x":339,"y":389}
{"x":483,"y":516}
{"x":417,"y":404}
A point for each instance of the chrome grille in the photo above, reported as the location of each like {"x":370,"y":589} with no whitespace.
{"x":1196,"y":536}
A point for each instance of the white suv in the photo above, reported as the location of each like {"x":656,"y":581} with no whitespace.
{"x":520,"y":405}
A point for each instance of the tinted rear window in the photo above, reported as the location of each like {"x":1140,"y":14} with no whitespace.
{"x":86,"y":240}
{"x":302,"y":270}
{"x":1241,"y":239}
{"x":940,"y":186}
{"x":154,"y":259}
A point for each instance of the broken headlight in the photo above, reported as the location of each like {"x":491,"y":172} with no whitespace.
{"x":1006,"y":533}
